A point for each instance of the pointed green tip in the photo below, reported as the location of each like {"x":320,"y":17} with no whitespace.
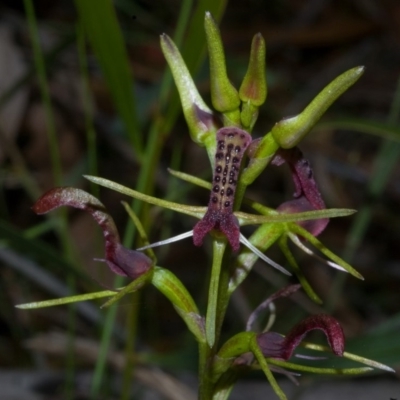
{"x":254,"y":85}
{"x":224,"y":96}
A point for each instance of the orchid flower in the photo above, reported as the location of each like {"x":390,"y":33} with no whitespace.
{"x":236,"y":160}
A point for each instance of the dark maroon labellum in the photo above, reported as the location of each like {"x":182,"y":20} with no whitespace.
{"x":232,"y":143}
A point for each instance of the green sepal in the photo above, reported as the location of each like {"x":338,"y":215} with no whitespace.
{"x":131,"y":287}
{"x":297,"y":270}
{"x":290,"y":131}
{"x":197,"y":114}
{"x":231,"y":349}
{"x":253,"y":89}
{"x":193,"y":211}
{"x":172,"y":288}
{"x":224,"y":96}
{"x":298,"y":230}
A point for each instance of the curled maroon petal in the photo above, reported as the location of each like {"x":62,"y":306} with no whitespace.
{"x":327,"y":324}
{"x":232,"y":143}
{"x":274,"y":345}
{"x":120,"y":260}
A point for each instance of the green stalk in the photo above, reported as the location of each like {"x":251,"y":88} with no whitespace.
{"x":219,"y":246}
{"x":87,"y":106}
{"x":57,"y":173}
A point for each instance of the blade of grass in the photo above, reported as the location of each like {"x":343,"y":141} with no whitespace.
{"x":57,"y":173}
{"x":101,"y":25}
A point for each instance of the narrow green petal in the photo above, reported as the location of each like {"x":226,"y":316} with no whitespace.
{"x":193,"y":211}
{"x":290,"y":131}
{"x":197,"y":114}
{"x":224,"y":96}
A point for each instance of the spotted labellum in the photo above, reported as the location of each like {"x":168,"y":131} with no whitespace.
{"x":232,"y":143}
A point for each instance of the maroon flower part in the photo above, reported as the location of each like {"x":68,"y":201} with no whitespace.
{"x":307,"y":196}
{"x":232,"y":143}
{"x":274,"y":345}
{"x":120,"y":260}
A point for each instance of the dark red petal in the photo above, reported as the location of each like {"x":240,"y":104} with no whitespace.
{"x":120,"y":260}
{"x":327,"y":324}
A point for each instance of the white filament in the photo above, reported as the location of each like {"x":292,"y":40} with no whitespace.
{"x":167,"y":241}
{"x":263,"y":256}
{"x":308,"y":251}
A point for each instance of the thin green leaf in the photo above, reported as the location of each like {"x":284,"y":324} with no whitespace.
{"x":101,"y":25}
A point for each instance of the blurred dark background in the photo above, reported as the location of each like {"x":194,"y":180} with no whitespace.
{"x":354,"y":153}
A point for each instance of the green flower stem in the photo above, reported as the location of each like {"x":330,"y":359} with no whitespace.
{"x":219,"y":246}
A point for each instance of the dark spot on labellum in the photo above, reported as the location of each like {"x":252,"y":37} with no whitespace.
{"x":232,"y":174}
{"x":217,"y":178}
{"x":237,"y":149}
{"x":214,"y":199}
{"x":232,"y":182}
{"x":228,"y":157}
{"x":216,"y":188}
{"x":219,"y":156}
{"x":241,"y":136}
{"x":231,"y":135}
{"x":227,"y":203}
{"x":223,"y":181}
{"x":230,"y":146}
{"x":222,"y":192}
{"x":236,"y":160}
{"x":219,"y":169}
{"x":229,"y":191}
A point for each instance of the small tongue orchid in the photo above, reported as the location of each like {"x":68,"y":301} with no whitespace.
{"x":236,"y":161}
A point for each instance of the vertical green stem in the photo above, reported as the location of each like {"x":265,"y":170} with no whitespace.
{"x":57,"y":173}
{"x":219,"y":246}
{"x":87,"y":106}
